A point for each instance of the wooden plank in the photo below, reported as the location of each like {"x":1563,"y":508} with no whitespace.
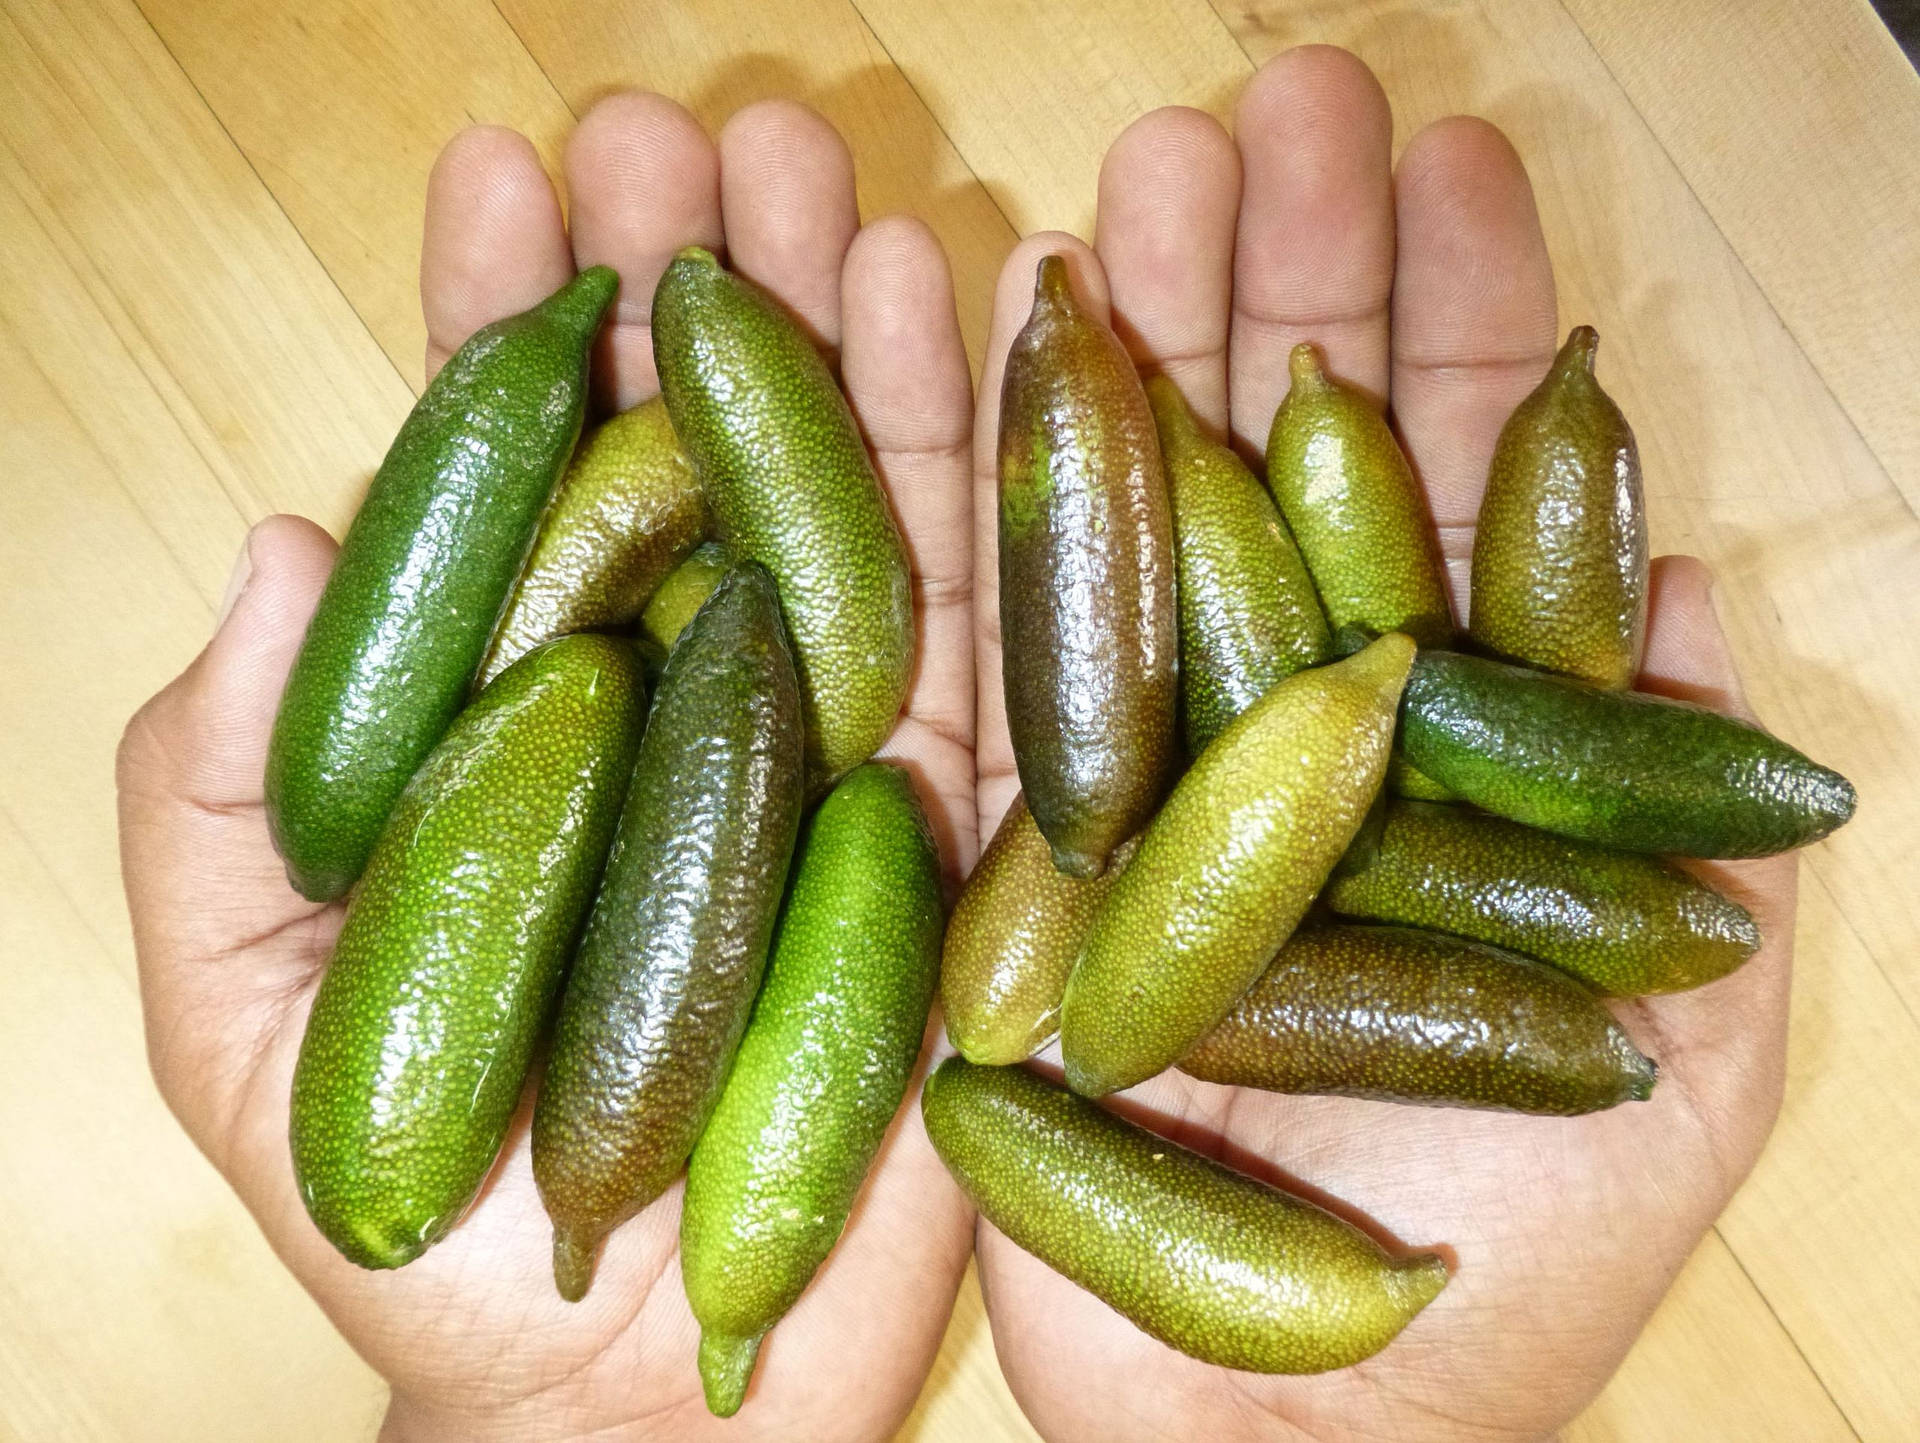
{"x":1826,"y":1224}
{"x":965,"y":1399}
{"x":715,"y":56}
{"x":173,"y":361}
{"x":206,"y":1336}
{"x":341,"y":106}
{"x":140,"y":1302}
{"x":1713,"y":1363}
{"x":173,"y":364}
{"x":250,"y":345}
{"x":1804,"y":157}
{"x":199,"y":371}
{"x":1032,"y":95}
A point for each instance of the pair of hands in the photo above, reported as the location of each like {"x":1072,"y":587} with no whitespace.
{"x":1428,"y":283}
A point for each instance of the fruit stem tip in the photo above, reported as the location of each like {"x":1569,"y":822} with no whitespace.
{"x":726,"y":1367}
{"x":1051,"y":284}
{"x":1419,"y":1280}
{"x":1303,"y":366}
{"x":1644,"y":1081}
{"x":572,"y":1265}
{"x":581,"y":302}
{"x":1081,"y":865}
{"x":1583,"y":345}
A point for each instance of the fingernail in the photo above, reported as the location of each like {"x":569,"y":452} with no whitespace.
{"x":236,"y":582}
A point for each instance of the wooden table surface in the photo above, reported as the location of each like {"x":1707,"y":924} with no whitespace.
{"x":209,"y":225}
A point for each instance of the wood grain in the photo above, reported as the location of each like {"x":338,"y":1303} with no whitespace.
{"x":207,"y":312}
{"x":348,"y":161}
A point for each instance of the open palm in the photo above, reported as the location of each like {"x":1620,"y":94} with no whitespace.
{"x":1430,"y":287}
{"x":473,"y":1337}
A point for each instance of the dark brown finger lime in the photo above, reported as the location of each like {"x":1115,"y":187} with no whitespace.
{"x":1401,"y":1015}
{"x":677,"y":940}
{"x":1089,"y":632}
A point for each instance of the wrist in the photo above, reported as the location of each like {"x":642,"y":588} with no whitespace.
{"x":410,"y":1420}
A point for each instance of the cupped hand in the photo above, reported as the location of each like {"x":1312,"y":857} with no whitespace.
{"x":1429,"y":285}
{"x":473,"y":1337}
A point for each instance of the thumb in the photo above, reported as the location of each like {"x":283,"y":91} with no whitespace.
{"x":1723,"y":1044}
{"x":217,"y":929}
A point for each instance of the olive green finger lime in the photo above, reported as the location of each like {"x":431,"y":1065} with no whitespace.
{"x":1229,"y":867}
{"x":1089,"y":631}
{"x":1013,"y":937}
{"x":1560,"y":549}
{"x":1406,"y":780}
{"x":627,"y":511}
{"x":683,"y":593}
{"x":1211,"y":1262}
{"x":1623,"y":769}
{"x":789,"y":483}
{"x":677,"y":939}
{"x":1401,"y":1015}
{"x":1349,"y":496}
{"x":1622,"y":922}
{"x":453,"y":948}
{"x":1248,"y":613}
{"x":820,"y":1072}
{"x":391,"y":652}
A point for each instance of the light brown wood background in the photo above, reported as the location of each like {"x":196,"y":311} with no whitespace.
{"x":209,"y":225}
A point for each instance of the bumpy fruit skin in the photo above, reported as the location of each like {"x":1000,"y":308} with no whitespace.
{"x":1229,"y":867}
{"x":392,"y":649}
{"x":683,"y":593}
{"x":789,"y":484}
{"x":1345,"y":488}
{"x":1249,"y":617}
{"x":1406,"y":780}
{"x":826,"y":1058}
{"x":1399,"y":1015}
{"x":1089,"y":632}
{"x":1224,"y":1268}
{"x":627,"y":511}
{"x":677,"y":940}
{"x":1013,"y":938}
{"x":1622,"y":922}
{"x":454,"y":946}
{"x":1623,"y":769}
{"x":1560,"y":549}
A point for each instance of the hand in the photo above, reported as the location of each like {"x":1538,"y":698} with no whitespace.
{"x":1431,"y":286}
{"x":473,"y":1337}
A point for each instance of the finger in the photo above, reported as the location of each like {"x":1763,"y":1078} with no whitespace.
{"x":786,"y":192}
{"x":644,"y":181}
{"x":905,"y":370}
{"x":1687,"y":655}
{"x":1723,"y":1044}
{"x":1169,"y":197}
{"x":1473,"y":313}
{"x":494,"y":242}
{"x":203,"y":881}
{"x":996,"y":781}
{"x":1313,"y":259}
